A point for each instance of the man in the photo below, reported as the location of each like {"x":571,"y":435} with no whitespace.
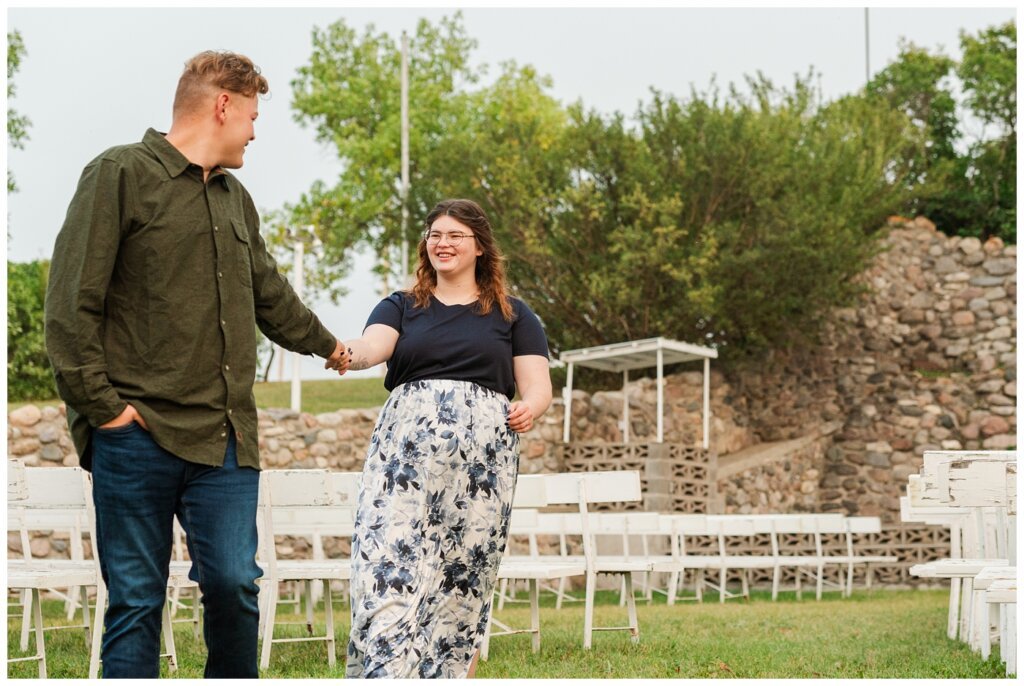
{"x":158,"y":281}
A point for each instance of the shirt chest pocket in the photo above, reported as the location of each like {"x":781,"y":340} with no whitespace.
{"x":243,"y":253}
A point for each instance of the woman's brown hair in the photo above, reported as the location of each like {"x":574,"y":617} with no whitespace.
{"x":490,"y":266}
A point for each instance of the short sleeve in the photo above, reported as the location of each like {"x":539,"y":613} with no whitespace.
{"x":389,"y":312}
{"x":527,"y":334}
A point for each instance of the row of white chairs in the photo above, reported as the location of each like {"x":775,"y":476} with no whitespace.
{"x":705,"y":544}
{"x":318,"y":504}
{"x":974,"y":494}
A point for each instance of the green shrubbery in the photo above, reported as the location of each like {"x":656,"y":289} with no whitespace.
{"x":28,"y":369}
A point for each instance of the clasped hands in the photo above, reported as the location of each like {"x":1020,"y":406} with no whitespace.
{"x":340,"y":359}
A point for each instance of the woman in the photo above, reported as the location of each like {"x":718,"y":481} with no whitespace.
{"x":436,"y":490}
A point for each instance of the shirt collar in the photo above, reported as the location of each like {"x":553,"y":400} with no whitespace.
{"x":171,"y":158}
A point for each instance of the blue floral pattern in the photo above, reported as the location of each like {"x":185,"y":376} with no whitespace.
{"x":431,"y":525}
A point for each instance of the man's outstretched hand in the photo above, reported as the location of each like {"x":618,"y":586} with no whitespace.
{"x":340,"y":359}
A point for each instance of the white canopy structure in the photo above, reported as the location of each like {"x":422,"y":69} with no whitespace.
{"x":640,"y":354}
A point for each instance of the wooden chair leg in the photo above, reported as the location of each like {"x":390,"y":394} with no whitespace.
{"x":985,"y":638}
{"x":332,"y":656}
{"x":502,"y":590}
{"x":268,"y":631}
{"x":953,"y":616}
{"x":588,"y":612}
{"x":37,"y":621}
{"x":965,"y":608}
{"x":97,"y":630}
{"x":634,"y":623}
{"x":84,"y":592}
{"x":535,"y":614}
{"x":167,"y":628}
{"x":673,"y":587}
{"x":26,"y":618}
{"x":309,"y":606}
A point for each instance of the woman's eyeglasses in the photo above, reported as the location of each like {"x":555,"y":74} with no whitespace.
{"x":454,"y":237}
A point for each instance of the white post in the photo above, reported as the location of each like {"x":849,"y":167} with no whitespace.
{"x":296,"y":359}
{"x":707,"y":401}
{"x":567,"y":399}
{"x":661,"y":394}
{"x":625,"y":407}
{"x":403,"y":282}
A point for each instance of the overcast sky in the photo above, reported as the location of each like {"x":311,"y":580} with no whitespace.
{"x":93,"y":78}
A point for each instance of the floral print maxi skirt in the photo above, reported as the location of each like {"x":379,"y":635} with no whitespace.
{"x":430,"y":529}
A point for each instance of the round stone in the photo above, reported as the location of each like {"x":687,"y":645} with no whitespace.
{"x":27,"y":415}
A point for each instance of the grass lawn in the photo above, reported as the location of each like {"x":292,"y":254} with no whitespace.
{"x":876,"y":634}
{"x":317,"y":396}
{"x":325,"y":395}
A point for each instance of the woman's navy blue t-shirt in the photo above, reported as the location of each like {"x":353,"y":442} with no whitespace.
{"x":455,"y":342}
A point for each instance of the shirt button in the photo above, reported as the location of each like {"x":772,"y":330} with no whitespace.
{"x":227,"y":367}
{"x":220,"y":275}
{"x":216,"y":228}
{"x":229,"y":411}
{"x":223,"y":323}
{"x":223,"y":434}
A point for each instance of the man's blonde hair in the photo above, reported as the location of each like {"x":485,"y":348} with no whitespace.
{"x":216,"y":70}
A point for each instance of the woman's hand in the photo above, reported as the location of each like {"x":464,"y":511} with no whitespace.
{"x":520,"y":416}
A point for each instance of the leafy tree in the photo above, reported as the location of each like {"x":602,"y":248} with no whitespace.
{"x":28,"y":368}
{"x":676,"y":226}
{"x":987,"y":187}
{"x":350,"y":94}
{"x":967,"y":186}
{"x":17,"y":125}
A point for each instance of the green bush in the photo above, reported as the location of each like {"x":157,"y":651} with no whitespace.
{"x":28,"y":369}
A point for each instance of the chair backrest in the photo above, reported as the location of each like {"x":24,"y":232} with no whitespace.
{"x":299,"y":502}
{"x":581,"y":488}
{"x":16,"y":487}
{"x":531,"y":491}
{"x":344,"y":487}
{"x":55,"y":499}
{"x":864,"y":525}
{"x":599,"y":487}
{"x":55,"y":487}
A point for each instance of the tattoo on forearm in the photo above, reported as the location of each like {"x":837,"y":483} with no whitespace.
{"x":360,"y":363}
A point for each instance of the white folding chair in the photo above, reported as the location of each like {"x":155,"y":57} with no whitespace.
{"x":299,"y":499}
{"x":581,"y":489}
{"x":530,"y":494}
{"x":733,"y":531}
{"x":860,"y":526}
{"x":65,"y":489}
{"x":683,"y":557}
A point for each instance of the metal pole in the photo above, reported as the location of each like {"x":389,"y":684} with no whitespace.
{"x":707,"y":401}
{"x":296,"y":359}
{"x":867,"y":49}
{"x":661,"y":394}
{"x":625,"y":407}
{"x":405,"y":159}
{"x":567,"y":399}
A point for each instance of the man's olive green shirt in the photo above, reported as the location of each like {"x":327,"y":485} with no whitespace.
{"x":157,"y":285}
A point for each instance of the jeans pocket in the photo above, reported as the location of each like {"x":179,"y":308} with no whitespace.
{"x":118,"y":430}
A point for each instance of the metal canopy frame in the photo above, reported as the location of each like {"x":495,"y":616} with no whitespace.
{"x":639,"y":354}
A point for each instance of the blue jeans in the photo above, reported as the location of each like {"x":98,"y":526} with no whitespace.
{"x":138,"y":487}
